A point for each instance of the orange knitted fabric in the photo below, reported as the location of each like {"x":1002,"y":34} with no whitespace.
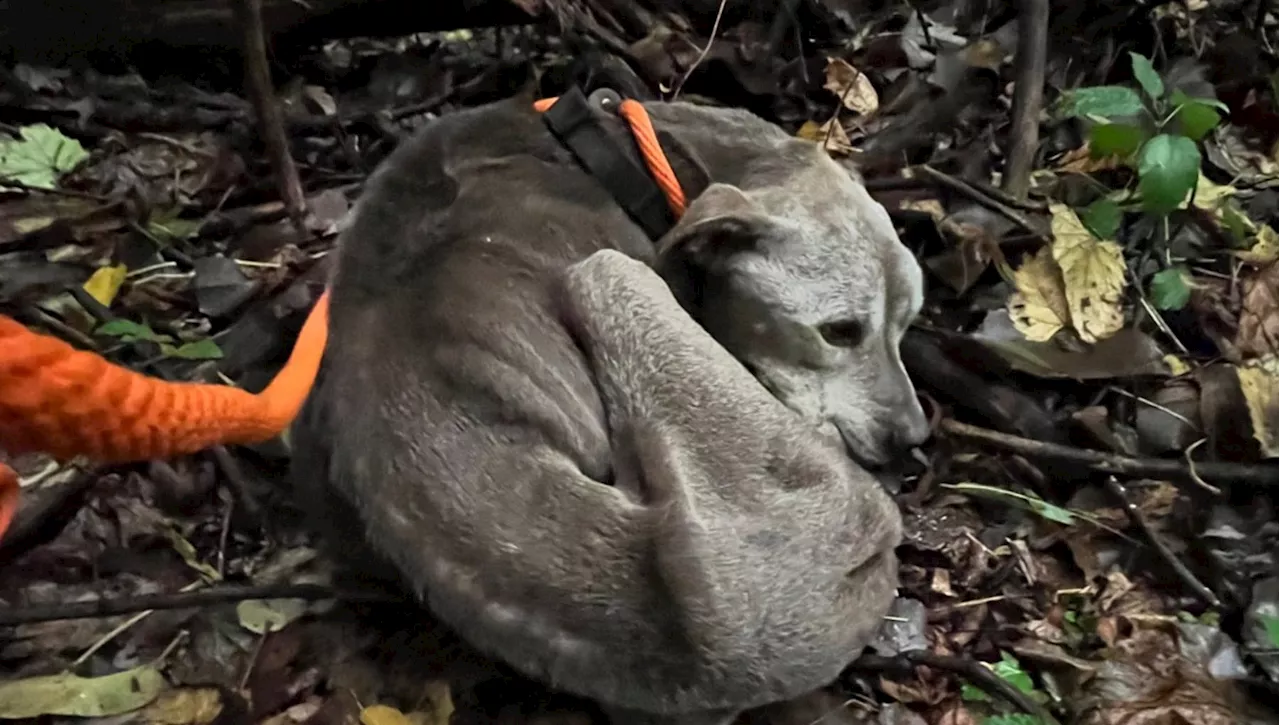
{"x":66,"y":402}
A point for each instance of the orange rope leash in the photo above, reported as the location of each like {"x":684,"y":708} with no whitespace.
{"x":66,"y":402}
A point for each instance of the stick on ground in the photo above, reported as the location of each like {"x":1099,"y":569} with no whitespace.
{"x":1028,"y":97}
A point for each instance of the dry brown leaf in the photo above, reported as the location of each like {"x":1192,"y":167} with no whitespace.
{"x":383,"y":715}
{"x":932,"y":207}
{"x":852,"y":87}
{"x":1093,"y":274}
{"x":1081,"y":161}
{"x":1039,"y":306}
{"x":831,"y":135}
{"x":1259,"y":314}
{"x":185,"y":706}
{"x":1261,"y":388}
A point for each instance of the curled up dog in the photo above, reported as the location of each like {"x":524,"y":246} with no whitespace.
{"x":629,"y":469}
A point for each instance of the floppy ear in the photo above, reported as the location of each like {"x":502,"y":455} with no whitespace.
{"x":720,"y":223}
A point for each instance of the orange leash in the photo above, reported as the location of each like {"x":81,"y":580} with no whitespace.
{"x":66,"y":402}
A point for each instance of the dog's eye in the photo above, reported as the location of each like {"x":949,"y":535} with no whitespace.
{"x":843,"y":333}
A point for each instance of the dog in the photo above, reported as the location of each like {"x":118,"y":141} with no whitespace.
{"x":631,"y":470}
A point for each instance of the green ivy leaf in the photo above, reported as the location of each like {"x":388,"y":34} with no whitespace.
{"x":1196,"y":117}
{"x":1273,"y":629}
{"x":1168,"y":167}
{"x":205,"y":349}
{"x":130,"y":331}
{"x":1147,"y":76}
{"x":1106,"y":101}
{"x":39,"y":156}
{"x":1102,"y":218}
{"x":1169,"y":289}
{"x":1115,"y":139}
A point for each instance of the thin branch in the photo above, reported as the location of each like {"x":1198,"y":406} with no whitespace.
{"x":1135,"y":515}
{"x":1028,"y":97}
{"x":715,"y":28}
{"x":1261,"y":474}
{"x":981,"y":197}
{"x":113,"y":606}
{"x":270,"y":120}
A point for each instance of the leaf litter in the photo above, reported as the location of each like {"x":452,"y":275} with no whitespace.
{"x":166,"y":249}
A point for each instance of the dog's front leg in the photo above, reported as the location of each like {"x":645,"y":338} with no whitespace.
{"x":775,"y":549}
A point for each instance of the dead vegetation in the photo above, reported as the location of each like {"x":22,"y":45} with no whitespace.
{"x":1092,"y":532}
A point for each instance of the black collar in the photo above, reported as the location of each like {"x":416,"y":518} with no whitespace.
{"x":574,"y":123}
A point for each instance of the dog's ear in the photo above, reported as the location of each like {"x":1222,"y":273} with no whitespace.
{"x":721,"y":223}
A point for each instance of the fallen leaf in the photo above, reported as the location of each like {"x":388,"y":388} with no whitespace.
{"x":1039,"y":306}
{"x":105,"y":283}
{"x":1265,"y":249}
{"x":1209,"y":195}
{"x":1093,"y":274}
{"x":185,"y":706}
{"x":1261,"y":389}
{"x":831,"y":135}
{"x":261,"y":616}
{"x":852,"y":87}
{"x":383,"y":715}
{"x":1259,"y":329}
{"x":39,"y":156}
{"x":1085,"y":160}
{"x":69,"y":694}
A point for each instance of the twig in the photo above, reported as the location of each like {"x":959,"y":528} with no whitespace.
{"x":113,"y":606}
{"x":1028,"y":97}
{"x":270,"y":120}
{"x":979,"y":196}
{"x":1252,"y":474}
{"x":1135,"y":515}
{"x":971,"y":670}
{"x":715,"y":28}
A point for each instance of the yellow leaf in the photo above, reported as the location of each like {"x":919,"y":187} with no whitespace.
{"x":1093,"y":274}
{"x":1038,"y":308}
{"x":186,"y":706}
{"x":383,"y":715}
{"x":831,"y":135}
{"x":852,"y":87}
{"x":105,"y":283}
{"x":1177,"y":367}
{"x":1265,"y":249}
{"x":1209,"y":195}
{"x":69,"y":694}
{"x":1261,"y":389}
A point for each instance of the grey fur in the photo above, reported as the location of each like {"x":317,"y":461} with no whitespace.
{"x":501,"y":346}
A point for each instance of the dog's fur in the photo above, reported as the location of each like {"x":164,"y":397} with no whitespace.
{"x":582,"y":476}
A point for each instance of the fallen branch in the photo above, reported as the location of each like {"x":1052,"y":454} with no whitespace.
{"x":1028,"y":97}
{"x":1135,"y":515}
{"x":1261,"y":474}
{"x":971,"y":670}
{"x":270,"y":120}
{"x":113,"y":606}
{"x":981,"y":197}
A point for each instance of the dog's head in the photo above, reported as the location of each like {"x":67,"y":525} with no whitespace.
{"x":806,"y":282}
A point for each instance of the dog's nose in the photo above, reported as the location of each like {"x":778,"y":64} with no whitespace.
{"x":912,"y":429}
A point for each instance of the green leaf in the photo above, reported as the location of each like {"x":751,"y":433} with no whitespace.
{"x":168,"y":226}
{"x":1272,"y":623}
{"x":39,"y":156}
{"x":1013,"y":718}
{"x":1196,"y":116}
{"x":1169,"y":289}
{"x":69,"y":694}
{"x":1053,"y":512}
{"x":1102,"y":218}
{"x":130,"y":331}
{"x":1168,"y":167}
{"x":1147,"y":76}
{"x":1010,"y":670}
{"x":1106,"y":101}
{"x":199,"y":350}
{"x":1115,"y":139}
{"x":969,"y":693}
